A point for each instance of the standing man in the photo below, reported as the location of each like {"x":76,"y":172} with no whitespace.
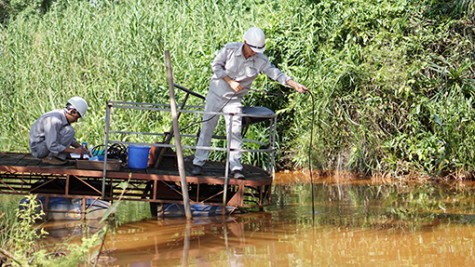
{"x":52,"y":136}
{"x":234,"y":69}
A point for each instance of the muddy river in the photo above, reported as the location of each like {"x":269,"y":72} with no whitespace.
{"x":364,"y":223}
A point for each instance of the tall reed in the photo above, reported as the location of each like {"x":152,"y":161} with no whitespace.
{"x":393,"y":80}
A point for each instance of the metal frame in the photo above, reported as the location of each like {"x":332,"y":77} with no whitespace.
{"x":166,"y":108}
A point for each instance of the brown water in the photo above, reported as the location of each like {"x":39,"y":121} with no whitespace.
{"x":264,"y":240}
{"x":354,"y":224}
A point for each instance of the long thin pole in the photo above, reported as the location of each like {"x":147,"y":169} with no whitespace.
{"x":106,"y":145}
{"x":226,"y":170}
{"x":176,"y":131}
{"x":309,"y":158}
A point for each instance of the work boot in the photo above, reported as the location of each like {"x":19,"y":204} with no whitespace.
{"x":197,"y":170}
{"x":237,"y":174}
{"x":54,"y":161}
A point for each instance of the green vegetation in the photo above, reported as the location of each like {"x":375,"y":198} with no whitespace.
{"x":393,"y":80}
{"x":21,"y":235}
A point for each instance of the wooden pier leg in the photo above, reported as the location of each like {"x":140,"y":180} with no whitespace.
{"x":66,"y":189}
{"x":154,"y":190}
{"x":154,"y":209}
{"x":83,"y":208}
{"x":46,"y":206}
{"x":262,"y":194}
{"x":197,"y":192}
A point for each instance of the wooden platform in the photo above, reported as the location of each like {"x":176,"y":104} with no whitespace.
{"x":22,"y":174}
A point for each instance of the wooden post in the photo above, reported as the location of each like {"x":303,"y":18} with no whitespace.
{"x":176,"y":132}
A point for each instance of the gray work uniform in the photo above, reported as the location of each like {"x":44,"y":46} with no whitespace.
{"x":50,"y":135}
{"x":230,"y":61}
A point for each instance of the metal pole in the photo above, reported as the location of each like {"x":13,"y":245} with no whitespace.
{"x":106,"y":142}
{"x":176,"y":131}
{"x":272,"y":144}
{"x":228,"y":152}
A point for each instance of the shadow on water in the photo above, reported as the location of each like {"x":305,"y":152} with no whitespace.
{"x":359,"y":224}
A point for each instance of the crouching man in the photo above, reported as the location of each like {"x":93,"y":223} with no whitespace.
{"x":52,"y":138}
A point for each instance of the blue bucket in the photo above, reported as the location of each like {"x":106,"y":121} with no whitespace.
{"x":137,"y":156}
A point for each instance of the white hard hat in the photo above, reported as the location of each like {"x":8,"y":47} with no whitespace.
{"x":256,"y":39}
{"x":79,"y":104}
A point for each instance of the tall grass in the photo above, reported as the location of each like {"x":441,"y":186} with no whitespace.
{"x":393,"y":79}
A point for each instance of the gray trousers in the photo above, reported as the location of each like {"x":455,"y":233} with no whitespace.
{"x":227,"y":102}
{"x":66,"y":138}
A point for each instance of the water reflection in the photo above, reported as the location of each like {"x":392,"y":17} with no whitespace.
{"x":355,"y":224}
{"x":265,"y":239}
{"x":71,"y":229}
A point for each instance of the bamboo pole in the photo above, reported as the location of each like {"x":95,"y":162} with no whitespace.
{"x":176,"y":132}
